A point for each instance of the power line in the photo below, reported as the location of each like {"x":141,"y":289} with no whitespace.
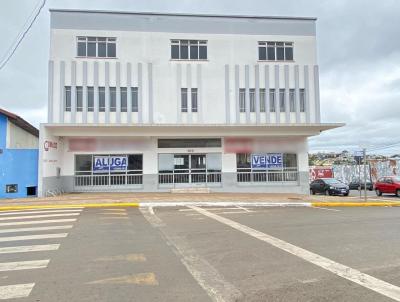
{"x":384,"y":147}
{"x":16,"y":45}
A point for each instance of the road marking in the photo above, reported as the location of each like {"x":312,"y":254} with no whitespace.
{"x":139,"y":279}
{"x":209,"y":209}
{"x":244,"y":209}
{"x":40,"y":212}
{"x":56,"y":227}
{"x":377,"y":285}
{"x":39,"y":216}
{"x":151,"y":210}
{"x":15,"y":291}
{"x":39,"y":209}
{"x":114,"y":214}
{"x":217,"y":288}
{"x":37,"y":222}
{"x":33,"y":237}
{"x":29,"y":248}
{"x":326,"y":209}
{"x":23,"y":265}
{"x":128,"y":257}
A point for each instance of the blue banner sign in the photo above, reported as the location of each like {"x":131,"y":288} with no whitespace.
{"x":267,"y":161}
{"x":103,"y":164}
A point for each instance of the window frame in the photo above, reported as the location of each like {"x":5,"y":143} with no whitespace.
{"x":181,"y":44}
{"x":86,"y":40}
{"x":268,"y":45}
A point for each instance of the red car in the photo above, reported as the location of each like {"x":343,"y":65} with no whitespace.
{"x":388,"y":184}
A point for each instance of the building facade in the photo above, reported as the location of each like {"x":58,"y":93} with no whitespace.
{"x":18,"y":156}
{"x":152,"y":102}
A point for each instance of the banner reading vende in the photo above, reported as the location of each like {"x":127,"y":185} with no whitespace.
{"x":269,"y":161}
{"x":103,"y":164}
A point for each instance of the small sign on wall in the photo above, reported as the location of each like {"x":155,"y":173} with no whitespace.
{"x":269,"y":161}
{"x":103,"y":164}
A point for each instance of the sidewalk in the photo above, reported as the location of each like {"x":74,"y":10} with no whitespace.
{"x":206,"y":199}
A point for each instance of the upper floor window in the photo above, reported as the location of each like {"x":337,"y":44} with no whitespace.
{"x":96,"y":47}
{"x":275,"y":51}
{"x":188,"y":49}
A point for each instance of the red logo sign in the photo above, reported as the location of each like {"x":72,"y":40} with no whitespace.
{"x":49,"y":145}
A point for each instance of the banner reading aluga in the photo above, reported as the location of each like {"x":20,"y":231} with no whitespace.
{"x":269,"y":161}
{"x":103,"y":164}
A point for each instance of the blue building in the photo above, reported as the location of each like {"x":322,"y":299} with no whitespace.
{"x":18,"y":156}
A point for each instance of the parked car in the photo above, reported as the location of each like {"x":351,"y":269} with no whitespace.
{"x":389,"y":185}
{"x":329,"y":186}
{"x":355,"y":185}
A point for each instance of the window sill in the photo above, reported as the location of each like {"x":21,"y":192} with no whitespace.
{"x":276,"y":61}
{"x":97,"y":58}
{"x":188,"y":60}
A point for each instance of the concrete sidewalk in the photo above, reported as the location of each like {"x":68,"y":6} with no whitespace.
{"x":170,"y":199}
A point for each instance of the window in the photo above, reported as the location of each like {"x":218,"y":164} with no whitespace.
{"x":97,"y":47}
{"x":242,"y":100}
{"x":190,"y":143}
{"x":275,"y":51}
{"x":135,"y":99}
{"x":90,"y":99}
{"x":252,"y":93}
{"x":124,"y":100}
{"x":113,"y":99}
{"x":12,"y":188}
{"x":188,"y":49}
{"x":184,"y":100}
{"x":302,"y":100}
{"x":79,"y":98}
{"x":194,"y":99}
{"x":272,"y":100}
{"x":292,"y":100}
{"x":102,"y":99}
{"x":67,"y":98}
{"x":282,"y":100}
{"x":262,"y":99}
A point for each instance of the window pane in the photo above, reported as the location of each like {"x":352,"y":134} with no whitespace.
{"x":67,"y":98}
{"x":83,"y":162}
{"x":282,"y":100}
{"x":102,"y":99}
{"x":113,"y":99}
{"x":302,"y":100}
{"x":189,"y":143}
{"x":292,"y":100}
{"x":280,"y":53}
{"x":242,"y":100}
{"x":81,"y":49}
{"x":272,"y":100}
{"x":271,"y":53}
{"x":90,"y":98}
{"x":252,"y":100}
{"x":262,"y":53}
{"x":91,"y":49}
{"x":184,"y":52}
{"x":184,"y":100}
{"x":262,"y":100}
{"x":79,"y":98}
{"x":102,"y":51}
{"x":174,"y":51}
{"x":203,"y":53}
{"x":243,"y":160}
{"x":289,"y":160}
{"x":135,"y":162}
{"x":135,"y":105}
{"x":111,"y":50}
{"x":194,"y":99}
{"x":124,"y":100}
{"x":289,"y":53}
{"x":194,"y":52}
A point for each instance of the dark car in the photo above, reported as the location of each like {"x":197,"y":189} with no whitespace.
{"x":359,"y":185}
{"x":388,"y":184}
{"x":329,"y":186}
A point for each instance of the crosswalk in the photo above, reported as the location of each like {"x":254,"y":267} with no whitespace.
{"x":23,"y":235}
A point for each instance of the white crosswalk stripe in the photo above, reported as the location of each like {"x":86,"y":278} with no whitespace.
{"x":39,"y":216}
{"x":35,"y":229}
{"x":25,"y":221}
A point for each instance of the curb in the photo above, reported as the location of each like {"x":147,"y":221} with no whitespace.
{"x":355,"y":204}
{"x":71,"y":206}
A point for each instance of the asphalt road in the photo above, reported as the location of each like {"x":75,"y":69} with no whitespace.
{"x":201,"y":254}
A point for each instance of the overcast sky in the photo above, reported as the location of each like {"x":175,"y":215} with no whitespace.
{"x":358,"y":53}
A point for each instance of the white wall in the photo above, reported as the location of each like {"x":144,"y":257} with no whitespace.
{"x":18,"y":138}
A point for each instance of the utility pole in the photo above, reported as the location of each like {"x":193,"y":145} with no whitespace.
{"x":365,"y":174}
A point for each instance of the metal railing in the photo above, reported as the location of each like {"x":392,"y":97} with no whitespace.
{"x":130,"y":177}
{"x":194,"y":177}
{"x":270,"y":176}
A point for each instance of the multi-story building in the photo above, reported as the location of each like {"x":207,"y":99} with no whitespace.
{"x":154,"y":101}
{"x":18,"y":156}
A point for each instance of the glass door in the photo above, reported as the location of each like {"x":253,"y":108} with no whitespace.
{"x":198,"y":168}
{"x":181,"y":168}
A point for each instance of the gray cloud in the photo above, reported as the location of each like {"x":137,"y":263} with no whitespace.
{"x":358,"y":53}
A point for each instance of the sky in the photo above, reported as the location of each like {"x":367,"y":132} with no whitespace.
{"x":358,"y":54}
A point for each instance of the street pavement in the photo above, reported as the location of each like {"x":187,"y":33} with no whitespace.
{"x":200,"y":254}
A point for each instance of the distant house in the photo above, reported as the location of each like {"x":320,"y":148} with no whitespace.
{"x":18,"y":156}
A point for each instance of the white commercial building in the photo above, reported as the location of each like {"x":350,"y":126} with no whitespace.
{"x":153,"y":101}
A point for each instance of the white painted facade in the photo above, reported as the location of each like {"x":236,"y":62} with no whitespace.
{"x":143,"y":60}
